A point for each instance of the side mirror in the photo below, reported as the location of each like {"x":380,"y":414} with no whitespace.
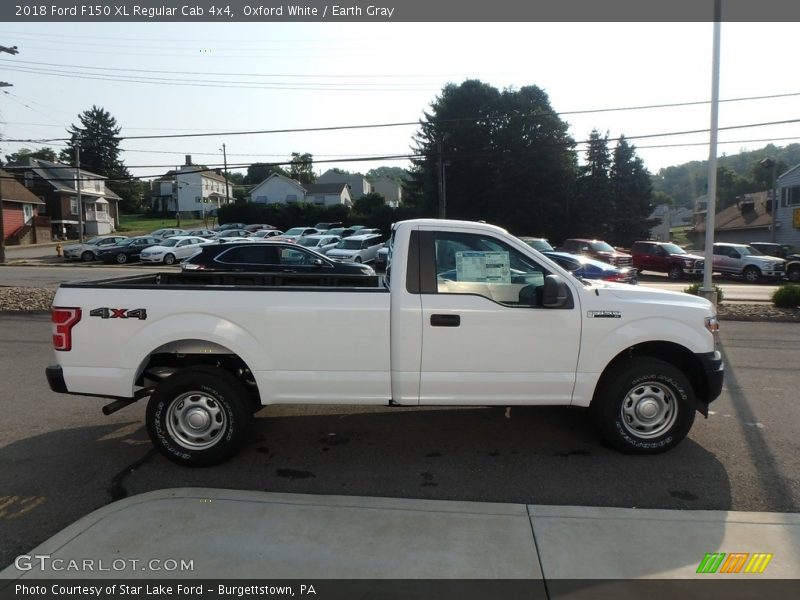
{"x":555,"y":292}
{"x":318,"y":262}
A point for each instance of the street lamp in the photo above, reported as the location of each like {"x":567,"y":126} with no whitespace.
{"x":772,"y":163}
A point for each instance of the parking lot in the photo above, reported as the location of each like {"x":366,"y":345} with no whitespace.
{"x":61,"y":458}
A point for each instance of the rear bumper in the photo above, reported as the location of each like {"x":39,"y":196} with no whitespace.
{"x":714,"y":375}
{"x":55,"y":378}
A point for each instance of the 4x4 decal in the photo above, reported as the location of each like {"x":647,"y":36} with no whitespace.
{"x":119,"y":313}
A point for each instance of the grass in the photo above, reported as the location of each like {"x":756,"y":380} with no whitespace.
{"x":140,"y":225}
{"x":679,"y":236}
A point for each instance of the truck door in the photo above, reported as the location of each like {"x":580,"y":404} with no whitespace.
{"x":486,"y":338}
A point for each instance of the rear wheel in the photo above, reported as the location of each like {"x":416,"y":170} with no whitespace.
{"x":645,"y":406}
{"x":199,"y":416}
{"x":169,"y":259}
{"x":752,"y":274}
{"x":675,"y":272}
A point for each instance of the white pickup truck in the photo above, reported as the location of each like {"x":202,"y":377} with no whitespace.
{"x":465,"y":315}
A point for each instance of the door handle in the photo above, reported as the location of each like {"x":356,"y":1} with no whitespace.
{"x":445,"y":320}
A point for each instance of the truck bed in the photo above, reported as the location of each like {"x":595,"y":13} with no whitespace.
{"x":244,"y":280}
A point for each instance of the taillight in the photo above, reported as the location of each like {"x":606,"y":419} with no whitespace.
{"x":64,"y":319}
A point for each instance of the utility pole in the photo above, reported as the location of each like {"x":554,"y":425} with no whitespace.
{"x":225,"y":162}
{"x":78,"y":187}
{"x":2,"y":224}
{"x":440,"y":174}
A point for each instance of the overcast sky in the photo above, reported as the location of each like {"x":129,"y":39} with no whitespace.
{"x":223,"y":77}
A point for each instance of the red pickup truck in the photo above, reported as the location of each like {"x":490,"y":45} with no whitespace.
{"x":599,"y":250}
{"x":665,"y":257}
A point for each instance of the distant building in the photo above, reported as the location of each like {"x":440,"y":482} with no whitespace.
{"x":191,"y":190}
{"x":389,"y":189}
{"x":56,"y":185}
{"x":749,"y":220}
{"x":21,"y":221}
{"x":358,"y":184}
{"x":787,"y":219}
{"x":668,"y":217}
{"x":279,"y":189}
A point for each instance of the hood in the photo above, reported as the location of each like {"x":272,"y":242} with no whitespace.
{"x":688,"y":255}
{"x":624,"y":291}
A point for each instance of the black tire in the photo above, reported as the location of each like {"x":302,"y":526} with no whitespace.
{"x":793,"y":274}
{"x":675,"y":272}
{"x":121,"y":258}
{"x":87,"y":256}
{"x":659,"y":386}
{"x":219,"y":405}
{"x":752,"y":274}
{"x":357,"y":259}
{"x":169,"y":259}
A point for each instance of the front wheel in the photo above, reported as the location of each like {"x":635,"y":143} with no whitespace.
{"x":169,"y":259}
{"x":121,"y":258}
{"x":675,"y":272}
{"x":357,"y":259}
{"x":752,"y":275}
{"x":199,"y":416}
{"x":645,"y":406}
{"x":793,"y":274}
{"x":87,"y":256}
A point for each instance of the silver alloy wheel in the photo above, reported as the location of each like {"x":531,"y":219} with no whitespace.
{"x":122,"y":258}
{"x":649,"y":410}
{"x":196,"y":420}
{"x":169,"y":259}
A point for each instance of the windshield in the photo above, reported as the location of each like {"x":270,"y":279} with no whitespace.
{"x":601,"y":247}
{"x":296,"y":231}
{"x":673,"y":249}
{"x":168,"y":242}
{"x":749,"y":250}
{"x":308,"y":242}
{"x":349,"y":245}
{"x":126,"y":242}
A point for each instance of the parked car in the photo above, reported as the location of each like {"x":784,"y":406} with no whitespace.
{"x":599,"y":250}
{"x":278,"y":257}
{"x":319,"y":242}
{"x":231,"y":233}
{"x":167,"y":232}
{"x":225,"y":226}
{"x":382,"y":258}
{"x":203,"y":233}
{"x":265,"y":234}
{"x":297,"y":232}
{"x":665,"y":257}
{"x":343,"y":232}
{"x":789,"y":253}
{"x":128,"y":250}
{"x":540,"y":244}
{"x":87,"y":251}
{"x":357,"y":248}
{"x":584,"y":267}
{"x":745,"y":261}
{"x":172,"y":249}
{"x":326,"y":226}
{"x":259,"y":227}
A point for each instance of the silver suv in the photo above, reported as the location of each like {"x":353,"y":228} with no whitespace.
{"x":746,"y":261}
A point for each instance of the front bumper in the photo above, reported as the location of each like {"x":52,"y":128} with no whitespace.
{"x":714,"y":375}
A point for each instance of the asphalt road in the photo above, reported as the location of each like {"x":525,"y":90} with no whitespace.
{"x":60,"y":458}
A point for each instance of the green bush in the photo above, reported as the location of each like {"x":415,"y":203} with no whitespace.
{"x":787,"y":296}
{"x":694,"y":289}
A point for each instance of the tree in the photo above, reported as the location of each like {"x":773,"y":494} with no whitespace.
{"x":98,"y":137}
{"x":42,"y":153}
{"x":631,"y":196}
{"x":594,"y":202}
{"x":302,"y":167}
{"x":368,"y":204}
{"x":258,"y":172}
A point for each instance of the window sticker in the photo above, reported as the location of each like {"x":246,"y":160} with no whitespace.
{"x":488,"y":267}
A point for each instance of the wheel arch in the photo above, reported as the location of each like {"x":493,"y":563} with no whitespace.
{"x":678,"y":356}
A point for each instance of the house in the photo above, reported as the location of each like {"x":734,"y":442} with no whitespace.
{"x":666,"y":218}
{"x":787,"y":216}
{"x":358,"y":184}
{"x":279,"y":189}
{"x":56,"y":185}
{"x":21,"y":221}
{"x":389,"y":189}
{"x":749,"y":220}
{"x":191,"y":190}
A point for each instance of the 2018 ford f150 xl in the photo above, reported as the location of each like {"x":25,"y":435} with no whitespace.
{"x":465,"y":315}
